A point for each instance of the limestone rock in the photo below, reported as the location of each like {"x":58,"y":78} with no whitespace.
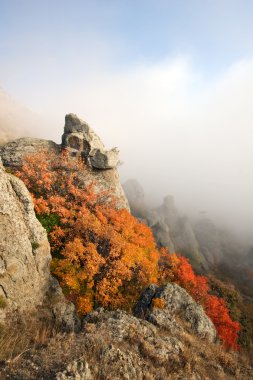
{"x":80,"y":138}
{"x":125,"y":343}
{"x":104,"y":159}
{"x":217,"y":244}
{"x":77,"y":370}
{"x":25,"y":279}
{"x":177,"y":303}
{"x":13,"y":153}
{"x":120,"y":326}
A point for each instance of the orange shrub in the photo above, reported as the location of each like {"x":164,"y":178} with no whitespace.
{"x":102,"y":256}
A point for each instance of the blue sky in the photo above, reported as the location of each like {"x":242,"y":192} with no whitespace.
{"x":60,"y":36}
{"x":168,"y":82}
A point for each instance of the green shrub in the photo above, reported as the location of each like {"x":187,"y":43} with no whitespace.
{"x":49,"y":221}
{"x":35,"y":245}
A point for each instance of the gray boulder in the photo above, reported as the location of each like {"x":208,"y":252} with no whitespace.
{"x":13,"y":152}
{"x":104,"y":159}
{"x":177,"y":303}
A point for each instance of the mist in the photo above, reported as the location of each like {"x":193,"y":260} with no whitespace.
{"x":182,"y":128}
{"x":178,"y":133}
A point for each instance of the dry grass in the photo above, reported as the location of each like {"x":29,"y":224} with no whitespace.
{"x":21,"y":337}
{"x":37,"y":351}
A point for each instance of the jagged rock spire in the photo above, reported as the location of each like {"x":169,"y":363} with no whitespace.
{"x":80,"y":138}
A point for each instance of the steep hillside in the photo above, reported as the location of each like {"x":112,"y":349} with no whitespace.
{"x":143,"y":313}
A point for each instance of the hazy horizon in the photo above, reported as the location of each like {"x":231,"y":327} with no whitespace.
{"x":169,"y":83}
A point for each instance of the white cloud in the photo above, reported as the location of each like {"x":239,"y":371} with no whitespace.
{"x":178,"y":131}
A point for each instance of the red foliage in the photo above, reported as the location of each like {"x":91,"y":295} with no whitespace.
{"x":227,"y":329}
{"x":179,"y":270}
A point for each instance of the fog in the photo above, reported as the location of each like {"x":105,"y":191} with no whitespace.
{"x":178,"y":132}
{"x":170,"y":85}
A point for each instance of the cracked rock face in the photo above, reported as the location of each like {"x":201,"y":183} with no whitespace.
{"x":25,"y":279}
{"x":177,"y":302}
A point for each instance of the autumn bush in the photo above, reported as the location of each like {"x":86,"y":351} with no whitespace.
{"x":177,"y":269}
{"x":103,"y":256}
{"x":240,"y":310}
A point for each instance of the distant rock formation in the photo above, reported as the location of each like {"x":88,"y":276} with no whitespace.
{"x":170,"y":228}
{"x":25,"y":280}
{"x":206,"y":244}
{"x":208,"y":236}
{"x":136,"y":197}
{"x":80,"y":140}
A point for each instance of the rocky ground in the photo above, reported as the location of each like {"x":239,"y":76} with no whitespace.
{"x":117,"y":345}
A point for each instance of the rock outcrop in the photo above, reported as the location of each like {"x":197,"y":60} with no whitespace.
{"x":80,"y":140}
{"x":25,"y":280}
{"x":175,"y":302}
{"x":15,"y":151}
{"x":167,"y":222}
{"x":116,"y":359}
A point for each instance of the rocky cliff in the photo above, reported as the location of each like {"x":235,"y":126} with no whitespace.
{"x":25,"y":280}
